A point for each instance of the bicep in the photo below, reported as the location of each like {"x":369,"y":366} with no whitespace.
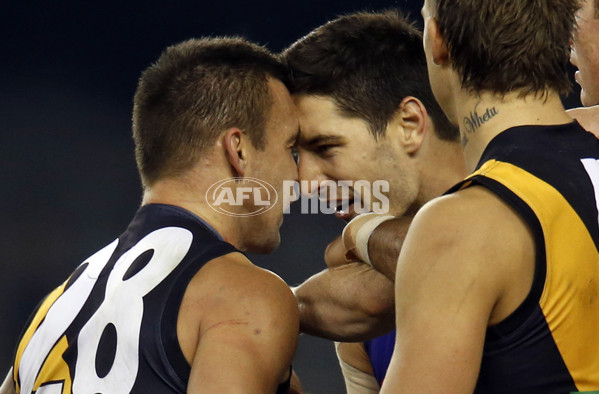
{"x":440,"y":334}
{"x":247,"y":337}
{"x":444,"y":298}
{"x":231,"y":358}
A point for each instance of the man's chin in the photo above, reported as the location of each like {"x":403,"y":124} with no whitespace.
{"x":266,"y":246}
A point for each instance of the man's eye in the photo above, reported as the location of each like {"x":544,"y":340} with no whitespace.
{"x":323,"y":149}
{"x":294,"y":153}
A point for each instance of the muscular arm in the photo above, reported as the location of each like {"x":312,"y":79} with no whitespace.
{"x":467,"y":262}
{"x":349,"y":301}
{"x":385,"y":244}
{"x":238,"y":326}
{"x":352,"y":302}
{"x":384,"y":240}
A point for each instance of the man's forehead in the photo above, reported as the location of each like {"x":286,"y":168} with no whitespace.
{"x":310,"y":104}
{"x":318,"y":117}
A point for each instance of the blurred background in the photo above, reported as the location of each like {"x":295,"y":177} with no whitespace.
{"x":68,"y":71}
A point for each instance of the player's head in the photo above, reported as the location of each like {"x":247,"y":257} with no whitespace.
{"x":500,"y":47}
{"x":219,"y":98}
{"x":193,"y":93}
{"x":585,"y":52}
{"x":361,"y":88}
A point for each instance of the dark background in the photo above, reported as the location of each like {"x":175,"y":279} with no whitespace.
{"x":69,"y":185}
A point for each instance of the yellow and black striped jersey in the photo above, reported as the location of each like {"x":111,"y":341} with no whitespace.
{"x":550,"y":344}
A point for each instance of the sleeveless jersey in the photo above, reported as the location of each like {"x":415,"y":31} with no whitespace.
{"x":380,"y":350}
{"x":550,"y":343}
{"x":112,"y":326}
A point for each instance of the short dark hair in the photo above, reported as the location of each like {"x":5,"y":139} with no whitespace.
{"x":368,"y":63}
{"x":509,"y":45}
{"x":196,"y":90}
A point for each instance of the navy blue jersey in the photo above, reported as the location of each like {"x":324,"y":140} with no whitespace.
{"x":112,"y":326}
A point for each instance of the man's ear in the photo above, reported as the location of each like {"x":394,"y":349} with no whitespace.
{"x":413,"y":119}
{"x":235,"y":150}
{"x":439,"y":51}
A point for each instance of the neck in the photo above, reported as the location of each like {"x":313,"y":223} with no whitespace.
{"x":187,"y":195}
{"x":448,"y":169}
{"x":482,"y":117}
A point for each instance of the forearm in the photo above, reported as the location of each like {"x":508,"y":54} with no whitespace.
{"x":385,"y":244}
{"x":352,"y":302}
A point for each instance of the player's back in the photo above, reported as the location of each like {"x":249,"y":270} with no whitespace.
{"x":550,"y":176}
{"x":112,"y":326}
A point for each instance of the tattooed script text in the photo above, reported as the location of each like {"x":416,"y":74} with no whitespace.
{"x":475,"y":120}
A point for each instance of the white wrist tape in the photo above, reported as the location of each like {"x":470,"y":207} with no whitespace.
{"x":356,"y":381}
{"x":364,"y":233}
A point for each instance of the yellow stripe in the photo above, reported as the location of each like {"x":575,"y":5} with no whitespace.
{"x":55,"y":368}
{"x":39,"y":316}
{"x":570,"y":298}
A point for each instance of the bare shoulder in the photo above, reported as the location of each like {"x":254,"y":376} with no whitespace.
{"x":474,"y":238}
{"x":588,"y":117}
{"x":234,"y":277}
{"x":230,"y":291}
{"x":467,"y":212}
{"x":461,"y":269}
{"x":476,"y":212}
{"x":238,"y":318}
{"x":450,"y":232}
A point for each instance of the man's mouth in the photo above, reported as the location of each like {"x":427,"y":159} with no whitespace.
{"x":345,"y":211}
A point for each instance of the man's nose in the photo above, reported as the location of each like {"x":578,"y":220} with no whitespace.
{"x":310,"y":176}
